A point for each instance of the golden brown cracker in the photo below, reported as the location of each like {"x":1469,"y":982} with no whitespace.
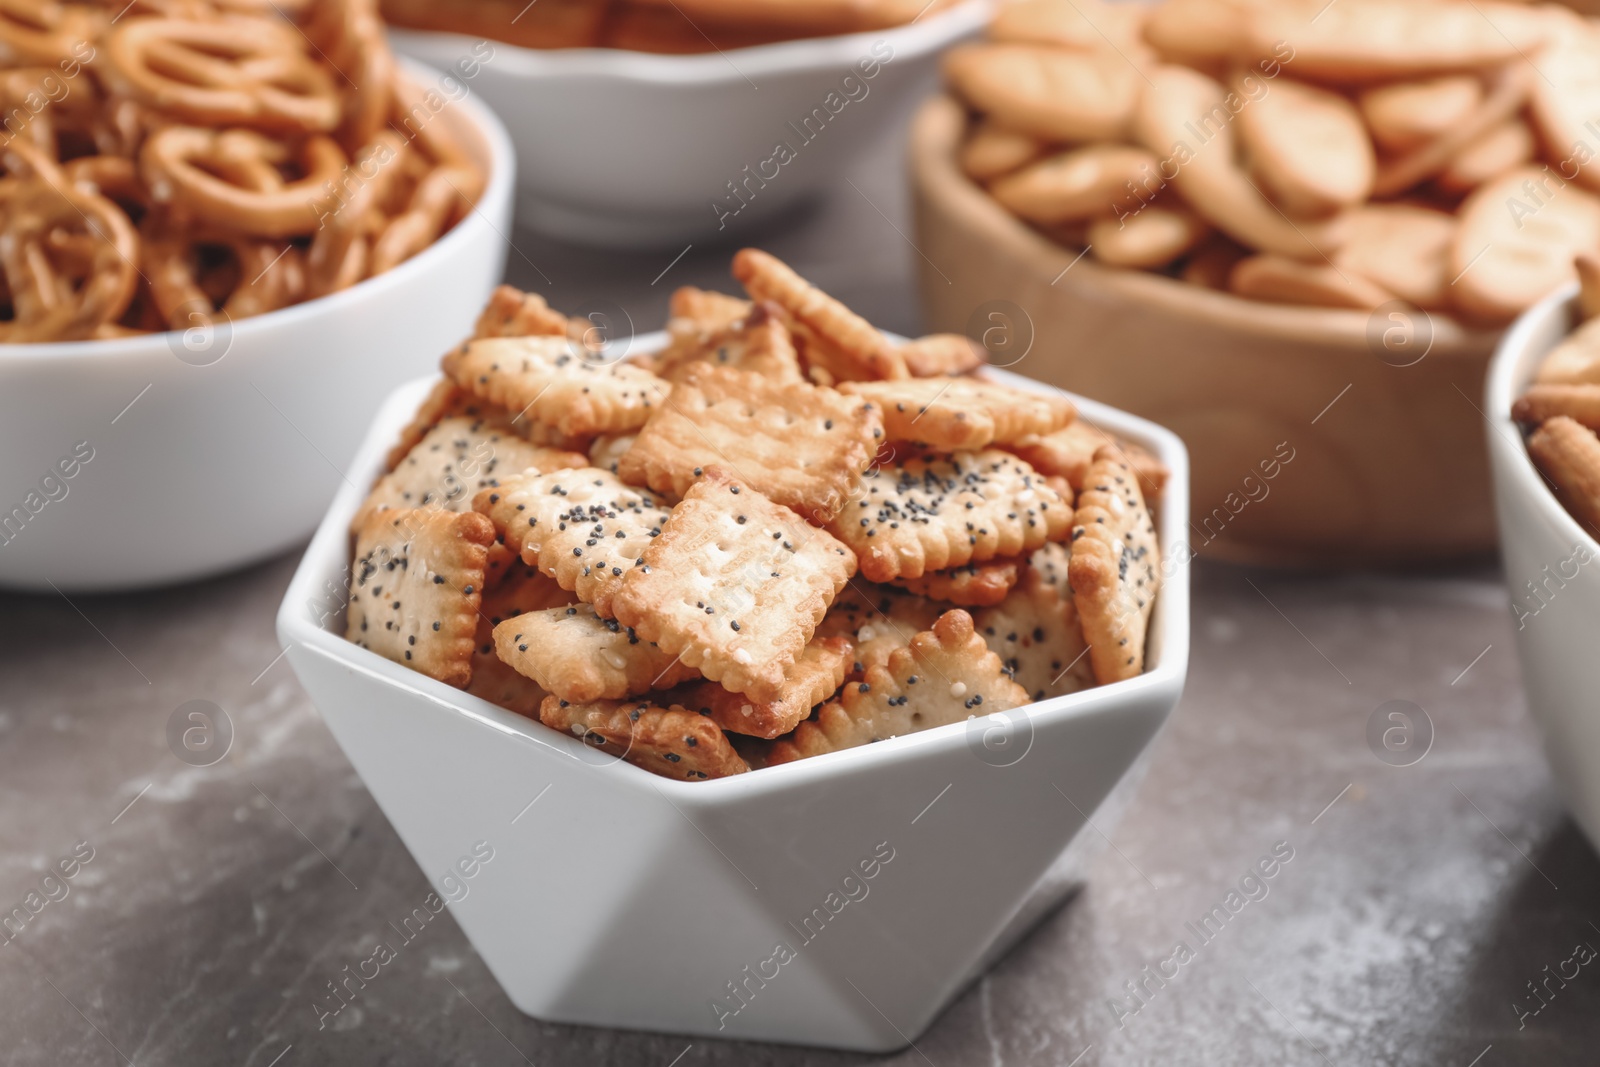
{"x":1036,"y":634}
{"x":1079,"y":183}
{"x":797,"y":444}
{"x":444,"y":400}
{"x":454,"y":460}
{"x":668,"y":741}
{"x":946,"y":674}
{"x":1308,"y":146}
{"x":962,"y":413}
{"x":991,"y":151}
{"x":1148,"y":239}
{"x":848,"y":347}
{"x":1114,"y":567}
{"x":1068,"y":452}
{"x":1515,"y":241}
{"x":1182,"y":117}
{"x":735,"y":584}
{"x":918,"y":514}
{"x":941,"y":355}
{"x":520,"y":590}
{"x":513,"y":313}
{"x":879,"y":619}
{"x":1489,"y":155}
{"x":578,"y":656}
{"x":708,"y":309}
{"x":971,"y":585}
{"x":1404,"y":115}
{"x":1403,"y":248}
{"x":585,"y":527}
{"x":1050,"y":93}
{"x":815,"y":678}
{"x":551,"y":380}
{"x":1569,"y":455}
{"x":759,"y":343}
{"x":1279,"y":279}
{"x":415,"y":588}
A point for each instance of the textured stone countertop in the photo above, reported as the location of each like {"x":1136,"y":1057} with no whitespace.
{"x":1420,"y":902}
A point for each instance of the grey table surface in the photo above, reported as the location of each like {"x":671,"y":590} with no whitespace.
{"x":1421,"y":903}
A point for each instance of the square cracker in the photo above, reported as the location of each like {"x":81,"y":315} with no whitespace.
{"x":970,"y":585}
{"x":1068,"y":452}
{"x":513,"y":313}
{"x":584,"y":527}
{"x":946,"y":674}
{"x":815,"y":678}
{"x":922,"y":514}
{"x":1113,"y":569}
{"x":798,"y":445}
{"x":444,"y":400}
{"x":735,"y":584}
{"x":757,"y":343}
{"x":949,"y":413}
{"x":708,"y":309}
{"x":556,"y":383}
{"x":879,"y":619}
{"x":1036,"y":634}
{"x":416,"y":587}
{"x":668,"y":741}
{"x":941,"y":354}
{"x":579,"y":657}
{"x":840,"y":342}
{"x":457,"y":457}
{"x":520,"y":590}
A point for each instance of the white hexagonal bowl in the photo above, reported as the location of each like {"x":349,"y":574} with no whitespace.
{"x":617,"y":898}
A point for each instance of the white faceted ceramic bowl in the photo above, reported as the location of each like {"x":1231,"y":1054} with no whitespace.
{"x":1555,"y":593}
{"x":627,"y":149}
{"x":230,"y":453}
{"x":617,"y":898}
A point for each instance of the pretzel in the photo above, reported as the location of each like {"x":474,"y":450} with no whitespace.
{"x":45,"y":301}
{"x":41,"y":32}
{"x":243,"y":71}
{"x":253,"y":197}
{"x":269,"y":149}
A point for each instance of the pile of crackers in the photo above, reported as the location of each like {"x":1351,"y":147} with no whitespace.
{"x":663,"y":26}
{"x":1561,"y":409}
{"x":1349,"y":154}
{"x":780,"y":535}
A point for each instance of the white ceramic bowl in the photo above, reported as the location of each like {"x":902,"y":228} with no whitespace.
{"x":617,"y":898}
{"x":629,"y":149}
{"x":1552,"y":567}
{"x":213,"y":450}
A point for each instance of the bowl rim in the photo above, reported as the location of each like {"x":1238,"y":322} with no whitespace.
{"x":329,"y":553}
{"x":1510,"y":372}
{"x":717,"y":67}
{"x":935,"y":172}
{"x":500,"y":186}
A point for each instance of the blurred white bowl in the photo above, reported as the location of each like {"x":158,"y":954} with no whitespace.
{"x":212,"y":450}
{"x":1552,"y":567}
{"x":628,"y":149}
{"x":617,"y":898}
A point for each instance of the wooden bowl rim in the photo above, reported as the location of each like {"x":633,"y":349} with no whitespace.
{"x":935,"y":136}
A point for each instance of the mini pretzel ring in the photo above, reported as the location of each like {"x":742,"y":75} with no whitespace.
{"x":42,"y":32}
{"x":41,"y":217}
{"x":253,"y":197}
{"x":238,"y":72}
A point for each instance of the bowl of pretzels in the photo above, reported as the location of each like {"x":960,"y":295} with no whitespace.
{"x":1283,"y":230}
{"x":226,"y":230}
{"x":659,"y":122}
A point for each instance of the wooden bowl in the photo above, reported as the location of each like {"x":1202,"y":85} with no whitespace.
{"x":1387,"y":456}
